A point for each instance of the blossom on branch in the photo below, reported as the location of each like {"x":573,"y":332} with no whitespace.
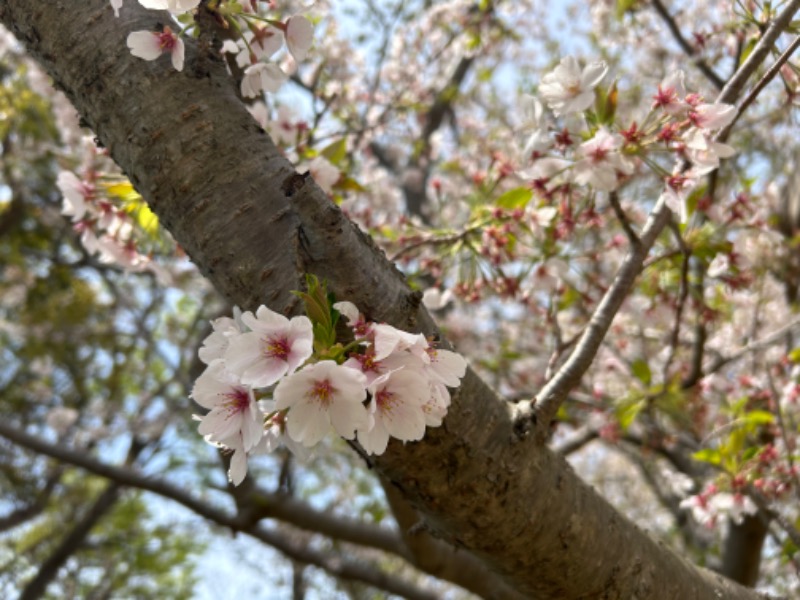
{"x":601,"y":162}
{"x":232,"y":408}
{"x":274,"y":347}
{"x":149,"y":45}
{"x":397,"y":406}
{"x":320,"y":396}
{"x":260,"y":78}
{"x":299,"y":36}
{"x":569,"y":88}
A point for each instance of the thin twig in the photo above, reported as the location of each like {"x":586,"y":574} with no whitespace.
{"x":701,"y":64}
{"x":683,"y":294}
{"x":120,"y":476}
{"x":434,"y":241}
{"x":555,"y":391}
{"x":768,"y":340}
{"x":762,"y":83}
{"x":613,"y":199}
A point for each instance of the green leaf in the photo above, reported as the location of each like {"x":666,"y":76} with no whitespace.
{"x":758,"y":417}
{"x":794,"y":355}
{"x":348,"y":184}
{"x":516,"y":198}
{"x":641,"y":370}
{"x":708,"y":455}
{"x":748,"y":48}
{"x":605,"y":104}
{"x":628,"y":411}
{"x":335,"y":152}
{"x":624,"y":6}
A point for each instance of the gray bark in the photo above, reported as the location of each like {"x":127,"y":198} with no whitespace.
{"x":254,"y":227}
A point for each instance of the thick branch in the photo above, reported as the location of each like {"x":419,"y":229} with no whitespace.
{"x":441,"y":560}
{"x":741,"y":559}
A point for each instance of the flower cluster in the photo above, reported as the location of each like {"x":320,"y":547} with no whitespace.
{"x":679,"y":122}
{"x":107,"y":227}
{"x":256,"y":40}
{"x":271,"y":380}
{"x":710,"y":504}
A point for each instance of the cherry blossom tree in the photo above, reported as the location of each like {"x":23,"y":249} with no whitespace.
{"x":303,"y":227}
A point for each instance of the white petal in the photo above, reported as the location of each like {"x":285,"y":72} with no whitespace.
{"x":299,"y":36}
{"x":272,"y":78}
{"x":348,"y":416}
{"x":155,"y":4}
{"x":308,"y":423}
{"x":177,"y":55}
{"x":144,"y":44}
{"x":375,"y":440}
{"x":238,"y":467}
{"x":593,"y":73}
{"x":405,"y":422}
{"x":243,"y":350}
{"x":349,"y":310}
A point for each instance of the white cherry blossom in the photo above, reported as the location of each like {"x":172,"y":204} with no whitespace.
{"x":397,"y":405}
{"x":75,"y":194}
{"x":676,"y":189}
{"x":275,"y":347}
{"x":671,"y":94}
{"x":719,"y":266}
{"x":262,"y":45}
{"x":299,"y":36}
{"x":434,"y":299}
{"x":215,"y":345}
{"x":276,"y":436}
{"x":262,"y":77}
{"x":435,"y":408}
{"x":283,"y":128}
{"x":390,"y":340}
{"x":712,"y":116}
{"x":322,"y":395}
{"x":569,"y":88}
{"x":116,"y":5}
{"x":446,"y":367}
{"x":600,"y":161}
{"x":233,"y":411}
{"x":704,"y":152}
{"x":149,"y":45}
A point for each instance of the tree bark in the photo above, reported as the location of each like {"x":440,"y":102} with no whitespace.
{"x":254,"y":227}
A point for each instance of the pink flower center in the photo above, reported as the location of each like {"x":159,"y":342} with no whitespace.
{"x":385,"y":399}
{"x":676,"y":182}
{"x":237,"y":401}
{"x":598,"y":154}
{"x":277,"y":347}
{"x":167,"y":39}
{"x":323,"y":391}
{"x":665,"y":97}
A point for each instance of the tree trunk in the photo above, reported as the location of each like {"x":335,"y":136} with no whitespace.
{"x":254,"y":227}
